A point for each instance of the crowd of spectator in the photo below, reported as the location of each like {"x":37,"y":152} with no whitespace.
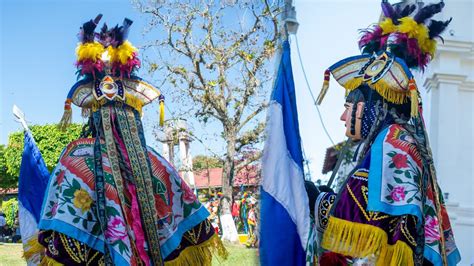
{"x":9,"y":234}
{"x":244,"y":212}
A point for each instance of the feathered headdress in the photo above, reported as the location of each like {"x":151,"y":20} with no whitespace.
{"x":411,"y":38}
{"x":106,"y":63}
{"x":123,"y":55}
{"x":391,"y":48}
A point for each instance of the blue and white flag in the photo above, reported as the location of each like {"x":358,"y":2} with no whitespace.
{"x":285,"y":220}
{"x":32,"y":185}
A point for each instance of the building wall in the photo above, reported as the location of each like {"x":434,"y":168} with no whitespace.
{"x":449,"y":82}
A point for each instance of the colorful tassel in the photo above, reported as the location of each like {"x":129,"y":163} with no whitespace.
{"x":413,"y":97}
{"x":325,"y":87}
{"x":162,"y":109}
{"x":67,"y":116}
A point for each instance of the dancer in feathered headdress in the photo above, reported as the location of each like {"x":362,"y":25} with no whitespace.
{"x":112,"y":199}
{"x":390,"y":210}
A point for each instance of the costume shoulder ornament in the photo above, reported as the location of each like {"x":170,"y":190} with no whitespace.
{"x":398,"y":43}
{"x":106,"y":66}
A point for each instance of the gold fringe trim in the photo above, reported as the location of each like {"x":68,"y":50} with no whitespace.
{"x":200,"y":254}
{"x":396,"y":97}
{"x":47,"y":261}
{"x":393,"y":96}
{"x":134,"y":102}
{"x":353,"y":84}
{"x":363,"y":240}
{"x":32,"y":248}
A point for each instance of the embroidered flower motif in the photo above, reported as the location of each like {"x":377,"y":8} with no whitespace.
{"x":115,"y":229}
{"x":54,"y":209}
{"x":188,"y":195}
{"x":60,"y":177}
{"x":82,"y":200}
{"x":400,"y":161}
{"x":431,"y":229}
{"x":398,"y":193}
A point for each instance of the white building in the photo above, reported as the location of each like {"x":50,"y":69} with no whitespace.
{"x":449,"y":83}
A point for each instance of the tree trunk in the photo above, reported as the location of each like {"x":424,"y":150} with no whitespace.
{"x":229,"y":231}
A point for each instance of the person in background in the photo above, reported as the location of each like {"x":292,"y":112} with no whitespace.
{"x":252,"y":222}
{"x":3,"y":222}
{"x":8,"y":232}
{"x":235,"y":212}
{"x":16,"y":230}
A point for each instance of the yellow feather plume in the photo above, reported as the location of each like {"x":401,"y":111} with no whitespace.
{"x":428,"y":46}
{"x":122,"y":53}
{"x":92,"y":51}
{"x":420,"y":32}
{"x":387,"y":26}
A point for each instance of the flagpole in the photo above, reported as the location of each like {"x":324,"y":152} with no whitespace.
{"x":20,"y":117}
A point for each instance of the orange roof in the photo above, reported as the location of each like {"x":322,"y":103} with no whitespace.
{"x":9,"y":191}
{"x":213,"y":178}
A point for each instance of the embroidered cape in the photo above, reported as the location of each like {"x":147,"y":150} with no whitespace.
{"x":380,"y":212}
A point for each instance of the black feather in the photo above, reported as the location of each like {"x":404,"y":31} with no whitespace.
{"x":102,"y":36}
{"x":88,"y":28}
{"x":407,"y":10}
{"x":388,"y":10}
{"x":437,"y":27}
{"x":400,"y":13}
{"x":428,"y":11}
{"x":126,"y":28}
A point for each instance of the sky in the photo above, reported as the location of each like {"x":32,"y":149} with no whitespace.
{"x":38,"y":40}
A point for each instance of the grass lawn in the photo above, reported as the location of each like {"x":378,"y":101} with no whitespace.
{"x":238,"y":255}
{"x":10,"y":255}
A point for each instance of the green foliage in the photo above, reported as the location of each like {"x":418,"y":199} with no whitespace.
{"x":7,"y":180}
{"x":10,"y":208}
{"x":201,"y":162}
{"x":50,"y":140}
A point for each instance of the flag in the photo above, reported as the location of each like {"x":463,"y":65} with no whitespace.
{"x":33,"y":180}
{"x":285,"y":220}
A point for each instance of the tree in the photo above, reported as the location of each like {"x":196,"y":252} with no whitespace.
{"x":7,"y":180}
{"x":50,"y":140}
{"x":202,"y":162}
{"x":10,"y":209}
{"x":223,"y":68}
{"x":250,"y":165}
